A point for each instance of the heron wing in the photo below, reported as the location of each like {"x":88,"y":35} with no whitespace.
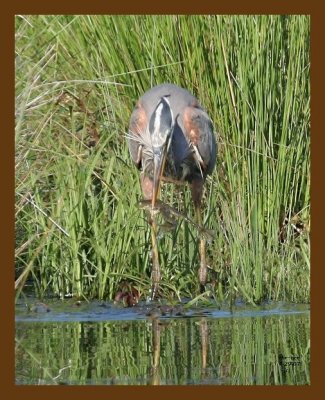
{"x":198,"y":129}
{"x":137,"y":129}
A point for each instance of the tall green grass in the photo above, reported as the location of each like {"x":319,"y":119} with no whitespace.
{"x":78,"y":227}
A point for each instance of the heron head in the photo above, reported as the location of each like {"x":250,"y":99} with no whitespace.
{"x":160,"y":129}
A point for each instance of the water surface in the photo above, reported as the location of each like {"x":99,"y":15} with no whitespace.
{"x":101,"y":344}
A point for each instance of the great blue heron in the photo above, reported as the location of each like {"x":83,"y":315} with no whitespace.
{"x":171,"y":138}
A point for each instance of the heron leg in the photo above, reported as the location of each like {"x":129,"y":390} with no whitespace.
{"x":147,"y":189}
{"x":155,"y":273}
{"x":197,"y":191}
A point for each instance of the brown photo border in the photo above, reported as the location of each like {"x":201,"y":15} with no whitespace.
{"x":7,"y":361}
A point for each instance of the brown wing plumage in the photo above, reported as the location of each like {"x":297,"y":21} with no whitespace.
{"x":138,"y":124}
{"x":199,"y":131}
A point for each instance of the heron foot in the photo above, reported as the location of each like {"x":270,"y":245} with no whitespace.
{"x":154,"y":290}
{"x":155,"y":278}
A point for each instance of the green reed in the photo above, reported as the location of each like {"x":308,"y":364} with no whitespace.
{"x":78,"y":227}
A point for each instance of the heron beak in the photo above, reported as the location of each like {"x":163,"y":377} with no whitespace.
{"x":159,"y":160}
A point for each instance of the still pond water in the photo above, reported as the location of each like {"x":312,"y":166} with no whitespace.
{"x":69,"y":343}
